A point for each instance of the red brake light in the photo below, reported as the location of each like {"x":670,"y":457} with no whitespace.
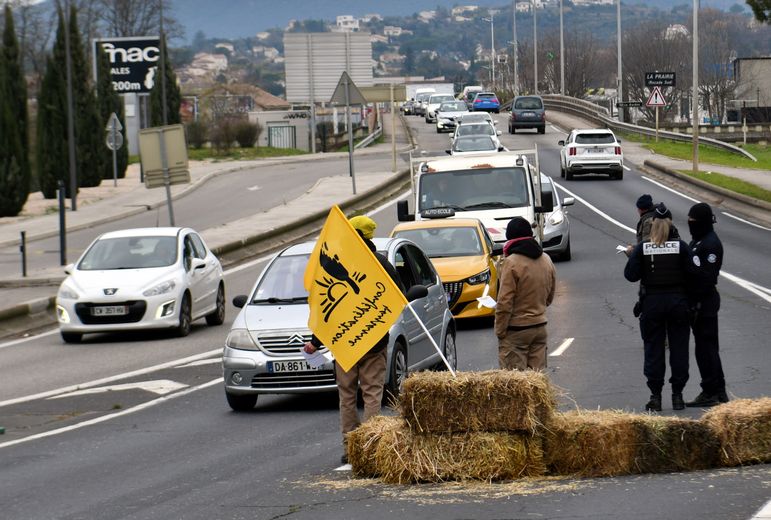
{"x":572,"y":151}
{"x":495,"y":100}
{"x":477,"y":101}
{"x":618,"y":150}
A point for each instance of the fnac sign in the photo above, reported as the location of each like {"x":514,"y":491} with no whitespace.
{"x":134,"y":62}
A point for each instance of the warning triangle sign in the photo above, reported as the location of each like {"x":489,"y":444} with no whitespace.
{"x":354,"y":96}
{"x":656,"y":98}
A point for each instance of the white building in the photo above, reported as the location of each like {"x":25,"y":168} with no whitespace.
{"x":227,"y":46}
{"x":426,"y":16}
{"x":675,"y":31}
{"x":463,"y":9}
{"x":390,"y":30}
{"x":347,"y":23}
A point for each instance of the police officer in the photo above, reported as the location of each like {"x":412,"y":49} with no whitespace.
{"x":661,"y":265}
{"x":707,"y":251}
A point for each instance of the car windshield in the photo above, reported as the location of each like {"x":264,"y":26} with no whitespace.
{"x":457,"y":106}
{"x":475,"y":189}
{"x":595,"y":139}
{"x":483,"y":129}
{"x":445,"y":241}
{"x":485,"y":96}
{"x":474,"y":144}
{"x":440,"y":98}
{"x":528,"y":103}
{"x":283,"y":281}
{"x":421,"y":97}
{"x":476,"y":118}
{"x":130,"y":253}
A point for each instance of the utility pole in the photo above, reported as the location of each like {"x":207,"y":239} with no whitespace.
{"x":492,"y":44}
{"x":163,"y":69}
{"x":514,"y":43}
{"x":535,"y":47}
{"x":70,"y":112}
{"x":562,"y":56}
{"x":695,"y":102}
{"x":619,"y":77}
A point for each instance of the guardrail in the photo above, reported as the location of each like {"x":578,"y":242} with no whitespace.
{"x":370,"y":138}
{"x":601,"y":117}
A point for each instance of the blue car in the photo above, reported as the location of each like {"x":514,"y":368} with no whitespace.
{"x":486,"y":101}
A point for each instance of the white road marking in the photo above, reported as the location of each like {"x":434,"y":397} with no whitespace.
{"x":660,"y":185}
{"x":28,"y":338}
{"x":209,"y":361}
{"x":117,"y":377}
{"x":593,"y":208}
{"x":111,"y":416}
{"x":562,"y":348}
{"x":159,"y":386}
{"x":344,"y":467}
{"x":253,"y":188}
{"x":627,"y":168}
{"x":745,"y":221}
{"x":764,"y":513}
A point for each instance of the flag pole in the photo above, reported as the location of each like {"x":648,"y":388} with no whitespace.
{"x":409,"y":306}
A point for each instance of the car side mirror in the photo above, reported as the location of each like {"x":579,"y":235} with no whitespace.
{"x":197,"y":263}
{"x":448,"y":152}
{"x":403,"y":212}
{"x":561,"y":142}
{"x":240,"y":301}
{"x":501,"y":148}
{"x":498,"y":132}
{"x":68,"y":268}
{"x":618,"y":141}
{"x":497,"y":249}
{"x":568,"y":201}
{"x":416,"y":292}
{"x":547,"y":203}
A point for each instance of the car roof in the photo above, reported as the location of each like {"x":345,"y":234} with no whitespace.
{"x":437,"y":223}
{"x":491,"y":160}
{"x":306,"y":248}
{"x":593,"y":131}
{"x":143,"y":232}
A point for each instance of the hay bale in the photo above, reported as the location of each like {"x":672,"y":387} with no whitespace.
{"x":670,"y":444}
{"x":591,"y":444}
{"x":491,"y":401}
{"x":743,"y":427}
{"x":406,"y":457}
{"x":362,"y":443}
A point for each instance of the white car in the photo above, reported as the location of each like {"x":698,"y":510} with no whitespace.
{"x":477,"y":117}
{"x":556,"y":230}
{"x":137,"y":279}
{"x":591,"y":151}
{"x":465,"y":129}
{"x":434,"y":102}
{"x":448,"y":114}
{"x":474,"y":145}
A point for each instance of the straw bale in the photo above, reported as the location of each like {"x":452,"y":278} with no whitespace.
{"x":362,"y":443}
{"x":591,"y":443}
{"x":670,"y":444}
{"x":406,"y":457}
{"x":491,"y":401}
{"x":743,"y":427}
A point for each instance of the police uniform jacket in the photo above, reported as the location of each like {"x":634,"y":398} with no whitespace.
{"x":661,"y":269}
{"x":706,"y":260}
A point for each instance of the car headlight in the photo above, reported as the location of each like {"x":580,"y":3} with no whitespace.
{"x":556,"y":218}
{"x":67,"y":293}
{"x":482,"y":277}
{"x":161,"y":288}
{"x":240,"y":339}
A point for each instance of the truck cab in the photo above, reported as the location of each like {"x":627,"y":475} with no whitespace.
{"x":492,"y":188}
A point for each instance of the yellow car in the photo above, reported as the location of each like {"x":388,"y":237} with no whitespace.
{"x":465,"y":257}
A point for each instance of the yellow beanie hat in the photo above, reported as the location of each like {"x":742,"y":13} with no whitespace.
{"x":364,"y":224}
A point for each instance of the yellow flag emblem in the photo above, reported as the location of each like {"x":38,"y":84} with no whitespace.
{"x":352,"y":299}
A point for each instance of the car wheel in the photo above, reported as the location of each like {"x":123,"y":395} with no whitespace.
{"x":450,"y":352}
{"x":542,"y":130}
{"x":399,"y":370}
{"x":72,"y":337}
{"x":562,"y":171}
{"x":565,"y":255}
{"x":497,"y":110}
{"x":185,"y":322}
{"x":568,"y":174}
{"x":619,"y":176}
{"x":241,"y":402}
{"x":438,"y":131}
{"x":217,"y":317}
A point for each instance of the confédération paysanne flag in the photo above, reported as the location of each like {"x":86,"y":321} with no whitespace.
{"x":353,"y":301}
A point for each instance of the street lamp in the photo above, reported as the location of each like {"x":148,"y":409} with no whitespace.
{"x":514,"y":43}
{"x":619,"y":77}
{"x":695,"y":102}
{"x":492,"y":44}
{"x":535,"y":47}
{"x":562,"y":56}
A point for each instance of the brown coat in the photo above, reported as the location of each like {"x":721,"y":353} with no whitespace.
{"x":527,"y":288}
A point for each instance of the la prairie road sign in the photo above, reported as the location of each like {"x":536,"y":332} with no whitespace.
{"x":659,"y":79}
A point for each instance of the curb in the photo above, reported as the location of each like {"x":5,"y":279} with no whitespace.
{"x":27,"y":308}
{"x":751,"y":201}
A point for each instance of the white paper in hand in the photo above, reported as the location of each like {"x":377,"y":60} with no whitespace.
{"x":485,"y":300}
{"x":317,"y":358}
{"x":620,"y":249}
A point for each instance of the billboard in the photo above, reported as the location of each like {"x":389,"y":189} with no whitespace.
{"x":314,"y":63}
{"x":134,"y":62}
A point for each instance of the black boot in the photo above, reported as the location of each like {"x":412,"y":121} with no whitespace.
{"x":677,"y":401}
{"x":703,"y":400}
{"x":722,"y":396}
{"x":654,"y":404}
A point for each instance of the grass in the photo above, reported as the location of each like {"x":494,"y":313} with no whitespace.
{"x":241,"y":154}
{"x":707,"y":154}
{"x":731,"y":183}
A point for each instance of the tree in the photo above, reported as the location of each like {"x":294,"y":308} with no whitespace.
{"x":14,"y":149}
{"x":109,"y":102}
{"x":139,"y":18}
{"x":761,"y":9}
{"x":173,"y":96}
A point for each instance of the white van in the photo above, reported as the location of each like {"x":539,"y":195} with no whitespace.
{"x":421,"y":100}
{"x":493,"y":188}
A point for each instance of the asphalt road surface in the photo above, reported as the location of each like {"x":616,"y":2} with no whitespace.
{"x":164,"y":444}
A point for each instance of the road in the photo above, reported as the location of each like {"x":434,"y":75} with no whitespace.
{"x":136,"y":452}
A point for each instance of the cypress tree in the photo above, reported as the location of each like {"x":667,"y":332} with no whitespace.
{"x":110,"y":102}
{"x":173,"y":96}
{"x":15,"y":175}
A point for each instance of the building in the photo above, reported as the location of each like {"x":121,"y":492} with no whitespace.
{"x":464,"y":9}
{"x":753,"y":88}
{"x":227,"y":46}
{"x":390,"y":30}
{"x":346,"y":23}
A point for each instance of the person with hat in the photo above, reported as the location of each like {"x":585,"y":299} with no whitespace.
{"x":528,"y":280}
{"x":369,"y":372}
{"x":662,"y":266}
{"x":704,"y":299}
{"x":646,"y":209}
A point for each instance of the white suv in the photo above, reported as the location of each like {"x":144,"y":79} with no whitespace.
{"x":591,"y":151}
{"x":434,"y":102}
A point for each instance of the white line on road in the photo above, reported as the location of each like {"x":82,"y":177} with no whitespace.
{"x":253,"y":188}
{"x":28,"y":338}
{"x":764,"y":513}
{"x":745,"y":221}
{"x":593,"y":208}
{"x":562,"y":348}
{"x":627,"y":168}
{"x":159,"y":387}
{"x":109,"y":417}
{"x":668,"y":188}
{"x":344,"y":467}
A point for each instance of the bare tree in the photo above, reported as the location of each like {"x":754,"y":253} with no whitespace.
{"x":582,"y":68}
{"x":34,"y":26}
{"x":138,"y":18}
{"x":716,"y":55}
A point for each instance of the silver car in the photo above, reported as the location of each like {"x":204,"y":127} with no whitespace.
{"x":262,"y":353}
{"x":448,"y":114}
{"x":556,"y":231}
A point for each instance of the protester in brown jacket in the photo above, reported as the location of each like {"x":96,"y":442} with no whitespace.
{"x":527,"y":287}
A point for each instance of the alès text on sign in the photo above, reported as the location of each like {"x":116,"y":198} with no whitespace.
{"x":659,"y":79}
{"x":133,"y":61}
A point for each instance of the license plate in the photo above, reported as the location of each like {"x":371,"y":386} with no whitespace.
{"x":596,"y":150}
{"x":275,"y":367}
{"x":528,"y":114}
{"x":109,"y":310}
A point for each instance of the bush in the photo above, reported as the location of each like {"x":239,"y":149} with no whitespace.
{"x":196,"y":132}
{"x":222,"y":136}
{"x":246,"y":133}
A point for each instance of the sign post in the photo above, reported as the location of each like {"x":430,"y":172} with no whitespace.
{"x":114,"y":142}
{"x":163,"y":154}
{"x":656,"y":99}
{"x":393,"y":133}
{"x":348,"y":93}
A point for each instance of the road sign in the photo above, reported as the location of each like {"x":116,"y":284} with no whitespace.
{"x":626,"y":104}
{"x":355,"y":97}
{"x":114,"y":122}
{"x":656,"y":98}
{"x":114,"y":140}
{"x":382,"y":93}
{"x":162,"y":150}
{"x":133,"y":62}
{"x":659,"y":79}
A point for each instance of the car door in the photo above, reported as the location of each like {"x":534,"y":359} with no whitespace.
{"x":195,"y":276}
{"x":416,"y":350}
{"x":210,"y":272}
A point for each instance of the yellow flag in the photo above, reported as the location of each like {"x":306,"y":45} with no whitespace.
{"x":353,"y":301}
